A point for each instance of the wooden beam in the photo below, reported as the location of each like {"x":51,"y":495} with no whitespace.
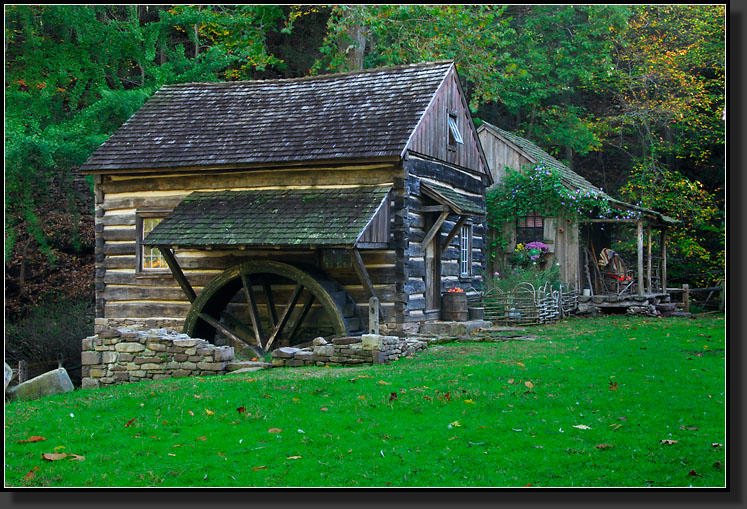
{"x":453,"y":233}
{"x":664,"y":259}
{"x":434,"y":208}
{"x":270,"y":302}
{"x":608,"y":221}
{"x":219,"y":326}
{"x":253,"y":311}
{"x":648,"y":259}
{"x":285,"y":316}
{"x":360,"y":269}
{"x":640,"y":257}
{"x":177,"y":272}
{"x":304,"y":313}
{"x":434,"y":229}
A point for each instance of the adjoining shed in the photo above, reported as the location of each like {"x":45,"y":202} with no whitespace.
{"x":271,"y":212}
{"x":581,"y":248}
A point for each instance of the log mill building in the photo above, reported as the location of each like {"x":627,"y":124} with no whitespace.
{"x":270,"y":212}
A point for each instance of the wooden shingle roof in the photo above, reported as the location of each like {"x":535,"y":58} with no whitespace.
{"x":285,"y":217}
{"x":570,"y":178}
{"x":364,"y":114}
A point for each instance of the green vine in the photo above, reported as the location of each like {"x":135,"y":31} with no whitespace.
{"x":538,"y":189}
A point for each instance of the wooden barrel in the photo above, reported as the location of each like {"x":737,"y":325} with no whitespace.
{"x":454,"y":306}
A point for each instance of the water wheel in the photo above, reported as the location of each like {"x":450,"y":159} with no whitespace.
{"x":266,"y":304}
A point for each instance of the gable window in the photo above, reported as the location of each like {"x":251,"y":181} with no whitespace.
{"x":149,"y":259}
{"x":530,"y":228}
{"x":465,"y":251}
{"x":455,"y":137}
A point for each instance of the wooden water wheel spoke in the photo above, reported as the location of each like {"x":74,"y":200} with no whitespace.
{"x":232,"y":307}
{"x":304,"y":312}
{"x":253,"y":311}
{"x":245,"y":333}
{"x":270,"y":301}
{"x":286,"y":315}
{"x":225,"y":330}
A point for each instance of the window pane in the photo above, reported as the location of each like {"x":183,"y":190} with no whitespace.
{"x":455,"y":130}
{"x":151,"y":257}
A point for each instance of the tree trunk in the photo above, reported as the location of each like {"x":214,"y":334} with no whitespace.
{"x":353,"y":47}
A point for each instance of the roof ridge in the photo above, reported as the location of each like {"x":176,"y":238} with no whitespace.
{"x":314,"y":77}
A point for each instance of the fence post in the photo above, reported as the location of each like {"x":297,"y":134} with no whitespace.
{"x":686,"y":297}
{"x":22,"y":371}
{"x":373,"y":315}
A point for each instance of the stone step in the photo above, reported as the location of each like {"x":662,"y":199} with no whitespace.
{"x":237,"y":365}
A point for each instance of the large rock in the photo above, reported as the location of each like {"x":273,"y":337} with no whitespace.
{"x":8,"y":375}
{"x":53,"y":382}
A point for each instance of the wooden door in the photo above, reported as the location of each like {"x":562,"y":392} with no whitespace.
{"x":432,"y":268}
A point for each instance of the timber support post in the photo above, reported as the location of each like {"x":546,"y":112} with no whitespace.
{"x":686,"y":297}
{"x":640,"y":257}
{"x":373,"y":315}
{"x":177,"y":273}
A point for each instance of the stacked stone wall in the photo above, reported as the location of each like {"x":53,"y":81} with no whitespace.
{"x":349,"y":351}
{"x":117,"y":356}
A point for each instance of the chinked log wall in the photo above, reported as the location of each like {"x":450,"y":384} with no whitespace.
{"x":124,"y":297}
{"x":466,"y":184}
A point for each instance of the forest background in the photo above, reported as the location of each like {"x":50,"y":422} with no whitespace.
{"x":630,"y":97}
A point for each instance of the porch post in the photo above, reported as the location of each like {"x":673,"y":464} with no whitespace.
{"x":648,"y":259}
{"x":640,"y":257}
{"x":664,"y":259}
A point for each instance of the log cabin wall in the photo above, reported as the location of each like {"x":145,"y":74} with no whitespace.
{"x":467,"y":184}
{"x":124,"y":294}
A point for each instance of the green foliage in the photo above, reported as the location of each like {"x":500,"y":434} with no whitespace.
{"x":537,"y":189}
{"x":537,"y":275}
{"x":697,"y":243}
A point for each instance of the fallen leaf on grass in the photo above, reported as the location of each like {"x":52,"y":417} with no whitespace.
{"x":293,"y":457}
{"x":241,"y":410}
{"x":274,"y":430}
{"x":190,"y":412}
{"x":324,"y":409}
{"x":581,"y":426}
{"x":716,"y":444}
{"x":455,"y":424}
{"x":30,"y":474}
{"x":128,"y":423}
{"x":209,"y":412}
{"x":604,"y":446}
{"x":613,"y":386}
{"x":32,"y":439}
{"x":382,"y":382}
{"x":693,"y":473}
{"x":201,"y":438}
{"x":529,"y":384}
{"x":470,"y":401}
{"x":669,"y":442}
{"x":258,"y":468}
{"x":393,"y":396}
{"x":49,"y":456}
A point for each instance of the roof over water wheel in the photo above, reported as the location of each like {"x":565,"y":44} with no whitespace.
{"x":283,"y":217}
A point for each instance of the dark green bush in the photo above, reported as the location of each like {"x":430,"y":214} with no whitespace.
{"x":53,"y":329}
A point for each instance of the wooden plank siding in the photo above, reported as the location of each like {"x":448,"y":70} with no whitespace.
{"x":431,"y":136}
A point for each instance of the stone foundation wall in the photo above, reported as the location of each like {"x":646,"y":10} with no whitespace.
{"x":350,"y":351}
{"x":117,"y":356}
{"x":172,"y":324}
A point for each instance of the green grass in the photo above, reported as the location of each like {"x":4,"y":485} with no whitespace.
{"x":463,"y":415}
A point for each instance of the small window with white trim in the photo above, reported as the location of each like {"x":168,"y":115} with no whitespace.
{"x":465,"y":251}
{"x":149,"y":259}
{"x":455,"y":137}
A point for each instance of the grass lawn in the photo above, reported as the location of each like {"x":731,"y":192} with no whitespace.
{"x":605,"y":402}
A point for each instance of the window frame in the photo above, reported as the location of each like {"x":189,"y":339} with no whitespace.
{"x":537,"y":233}
{"x":465,"y":251}
{"x":453,"y":134}
{"x":140,"y":269}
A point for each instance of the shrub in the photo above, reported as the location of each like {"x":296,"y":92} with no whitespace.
{"x":54,"y":328}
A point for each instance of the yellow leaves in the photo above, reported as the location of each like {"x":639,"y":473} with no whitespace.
{"x":274,"y":430}
{"x":455,"y":424}
{"x":209,"y":412}
{"x":49,"y":456}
